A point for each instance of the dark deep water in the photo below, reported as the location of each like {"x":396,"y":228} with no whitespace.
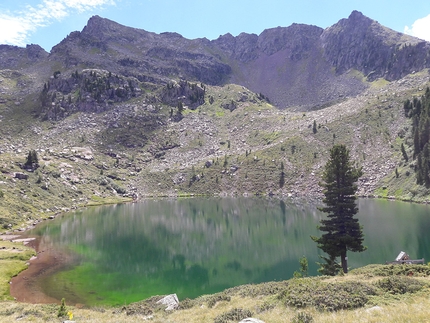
{"x":197,"y":246}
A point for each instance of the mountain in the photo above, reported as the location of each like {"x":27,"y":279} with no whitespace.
{"x":115,"y":112}
{"x":311,"y":63}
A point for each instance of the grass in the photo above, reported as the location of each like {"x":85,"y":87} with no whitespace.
{"x":98,"y":200}
{"x":13,"y":258}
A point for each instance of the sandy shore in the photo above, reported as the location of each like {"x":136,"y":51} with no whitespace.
{"x":26,"y":286}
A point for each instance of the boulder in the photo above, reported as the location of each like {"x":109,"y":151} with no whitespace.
{"x":20,"y":175}
{"x":171,"y":301}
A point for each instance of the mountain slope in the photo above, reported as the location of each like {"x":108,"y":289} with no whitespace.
{"x":293,"y":66}
{"x":119,"y":113}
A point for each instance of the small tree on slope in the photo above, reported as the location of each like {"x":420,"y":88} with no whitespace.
{"x":342,"y":230}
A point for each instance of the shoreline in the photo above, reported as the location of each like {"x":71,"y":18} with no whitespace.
{"x":25,"y":287}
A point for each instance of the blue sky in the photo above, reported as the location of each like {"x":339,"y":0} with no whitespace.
{"x":47,"y":22}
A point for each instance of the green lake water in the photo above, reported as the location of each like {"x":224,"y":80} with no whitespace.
{"x":128,"y":252}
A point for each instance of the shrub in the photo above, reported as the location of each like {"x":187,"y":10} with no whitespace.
{"x":236,"y":315}
{"x":323,"y":296}
{"x":217,"y":298}
{"x":186,"y":304}
{"x":251,"y":290}
{"x":393,"y":270}
{"x":266,"y":306}
{"x":302,"y":317}
{"x":400,"y":285}
{"x":32,"y":160}
{"x":347,"y":295}
{"x":62,"y":311}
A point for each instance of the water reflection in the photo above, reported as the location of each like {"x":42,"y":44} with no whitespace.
{"x":203,"y":245}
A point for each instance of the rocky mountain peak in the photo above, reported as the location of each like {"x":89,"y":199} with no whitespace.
{"x":357,"y":16}
{"x":298,"y":37}
{"x":13,"y":56}
{"x":97,"y":25}
{"x":363,"y":44}
{"x":35,"y":52}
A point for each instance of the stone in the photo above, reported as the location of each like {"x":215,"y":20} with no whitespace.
{"x":374,"y":308}
{"x":171,"y":301}
{"x":20,"y":175}
{"x":233,"y":168}
{"x":251,"y":320}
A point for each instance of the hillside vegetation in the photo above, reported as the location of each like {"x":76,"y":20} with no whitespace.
{"x":233,"y":142}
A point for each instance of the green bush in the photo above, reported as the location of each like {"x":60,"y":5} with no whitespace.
{"x":329,"y":297}
{"x":400,"y":285}
{"x":235,"y":315}
{"x":266,"y":306}
{"x":119,"y":189}
{"x":62,"y":311}
{"x":217,"y":298}
{"x":394,"y":270}
{"x":302,"y":317}
{"x":186,"y":304}
{"x":270,"y":288}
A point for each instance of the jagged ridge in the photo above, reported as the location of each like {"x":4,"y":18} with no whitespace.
{"x":293,"y":66}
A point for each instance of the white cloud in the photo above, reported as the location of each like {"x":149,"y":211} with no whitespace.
{"x":16,"y":27}
{"x":420,"y":28}
{"x":14,"y":30}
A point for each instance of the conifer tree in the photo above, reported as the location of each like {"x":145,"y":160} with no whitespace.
{"x":32,"y":160}
{"x":342,"y":230}
{"x":405,"y":155}
{"x":419,"y":111}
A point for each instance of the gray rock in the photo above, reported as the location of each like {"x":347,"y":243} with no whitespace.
{"x":171,"y":301}
{"x":251,"y":320}
{"x":20,"y":175}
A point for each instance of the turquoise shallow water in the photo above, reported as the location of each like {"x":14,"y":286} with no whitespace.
{"x":125,"y":253}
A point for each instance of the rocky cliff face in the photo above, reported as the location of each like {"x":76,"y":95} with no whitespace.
{"x":133,"y":52}
{"x":13,"y":57}
{"x":362,"y":44}
{"x":300,"y":66}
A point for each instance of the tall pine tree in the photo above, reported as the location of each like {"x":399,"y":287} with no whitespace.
{"x":419,"y":111}
{"x":342,"y":230}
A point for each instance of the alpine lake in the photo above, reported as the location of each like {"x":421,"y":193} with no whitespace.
{"x":128,"y":252}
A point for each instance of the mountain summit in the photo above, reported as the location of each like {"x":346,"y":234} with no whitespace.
{"x":363,"y":44}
